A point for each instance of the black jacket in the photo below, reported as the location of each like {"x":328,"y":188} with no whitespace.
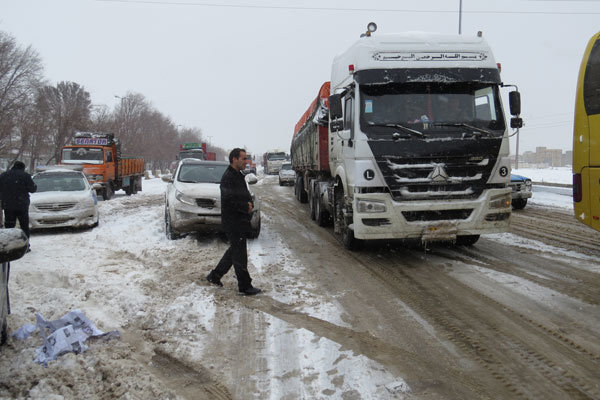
{"x":15,"y":186}
{"x":234,"y":202}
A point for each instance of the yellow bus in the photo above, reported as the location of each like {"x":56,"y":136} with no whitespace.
{"x":586,"y":138}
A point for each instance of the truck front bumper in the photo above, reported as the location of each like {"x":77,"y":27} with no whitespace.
{"x":432,"y":220}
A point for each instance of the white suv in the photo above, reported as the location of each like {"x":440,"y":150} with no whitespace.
{"x":193,"y":198}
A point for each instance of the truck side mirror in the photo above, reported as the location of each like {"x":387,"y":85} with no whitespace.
{"x":516,"y":123}
{"x":514,"y":100}
{"x":335,"y":106}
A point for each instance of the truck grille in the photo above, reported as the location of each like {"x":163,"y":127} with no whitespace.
{"x":54,"y":206}
{"x":436,"y":168}
{"x":436,"y":215}
{"x":206,"y":203}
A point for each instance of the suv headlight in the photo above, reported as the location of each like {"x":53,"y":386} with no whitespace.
{"x":502,"y":201}
{"x":371,"y":206}
{"x":184,"y":199}
{"x":528,"y":185}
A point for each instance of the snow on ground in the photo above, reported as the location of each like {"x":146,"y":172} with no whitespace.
{"x":563,"y":175}
{"x":112,"y":274}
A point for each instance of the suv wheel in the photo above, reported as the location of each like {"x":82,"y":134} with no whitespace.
{"x":171,"y":234}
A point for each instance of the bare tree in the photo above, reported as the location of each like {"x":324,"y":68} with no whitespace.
{"x":20,"y":75}
{"x":67,"y":107}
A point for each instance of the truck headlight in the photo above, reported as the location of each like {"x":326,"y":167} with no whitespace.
{"x":371,"y":206}
{"x":184,"y":199}
{"x":95,"y":178}
{"x":502,"y":201}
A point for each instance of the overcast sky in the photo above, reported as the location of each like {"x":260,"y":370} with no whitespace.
{"x":245,"y":71}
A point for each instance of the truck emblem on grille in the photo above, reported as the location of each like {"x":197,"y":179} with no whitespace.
{"x":438,"y":174}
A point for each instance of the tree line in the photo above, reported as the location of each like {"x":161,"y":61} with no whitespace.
{"x":38,"y":118}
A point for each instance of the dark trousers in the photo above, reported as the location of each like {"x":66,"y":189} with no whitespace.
{"x":11,"y":216}
{"x":237,"y":256}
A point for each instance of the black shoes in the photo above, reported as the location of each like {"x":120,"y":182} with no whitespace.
{"x":213,"y":280}
{"x":251,"y":291}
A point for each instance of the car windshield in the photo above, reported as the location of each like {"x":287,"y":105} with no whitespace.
{"x":60,"y":182}
{"x":82,"y":155}
{"x":286,"y":167}
{"x":431,"y":108}
{"x":201,"y":173}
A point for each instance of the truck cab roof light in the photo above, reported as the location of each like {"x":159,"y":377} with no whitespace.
{"x":499,"y":67}
{"x":351,"y":69}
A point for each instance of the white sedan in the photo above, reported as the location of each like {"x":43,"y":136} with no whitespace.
{"x":64,"y":198}
{"x":193,"y":198}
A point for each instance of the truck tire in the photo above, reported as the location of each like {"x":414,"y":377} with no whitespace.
{"x":302,"y":196}
{"x":138,"y":184}
{"x":107,"y":193}
{"x":321,"y":216}
{"x":340,"y":226}
{"x":171,"y":234}
{"x":129,"y":190}
{"x":519,"y":204}
{"x":311,"y":206}
{"x":467,"y":240}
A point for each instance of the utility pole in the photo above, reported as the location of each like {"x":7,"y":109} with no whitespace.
{"x":460,"y":17}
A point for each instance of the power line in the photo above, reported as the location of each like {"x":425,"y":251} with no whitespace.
{"x":256,"y":6}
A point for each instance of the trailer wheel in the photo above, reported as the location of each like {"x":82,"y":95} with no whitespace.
{"x":321,"y":216}
{"x":340,"y":226}
{"x":311,"y":205}
{"x":302,"y":196}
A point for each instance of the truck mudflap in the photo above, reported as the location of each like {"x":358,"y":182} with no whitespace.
{"x":432,"y":221}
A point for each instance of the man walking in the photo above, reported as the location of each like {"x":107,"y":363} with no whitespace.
{"x":236,"y":211}
{"x":15,"y":186}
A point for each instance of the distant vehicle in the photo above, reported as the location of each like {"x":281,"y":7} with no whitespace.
{"x":250,"y":167}
{"x":13,"y":245}
{"x":100,"y":156}
{"x":586,"y":138}
{"x":193,"y":198}
{"x":521,"y":191}
{"x":192,"y":150}
{"x":272,"y":161}
{"x":64,"y":198}
{"x":287,"y":176}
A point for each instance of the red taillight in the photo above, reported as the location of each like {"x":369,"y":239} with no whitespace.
{"x":577,"y":195}
{"x":351,"y":68}
{"x":499,"y":67}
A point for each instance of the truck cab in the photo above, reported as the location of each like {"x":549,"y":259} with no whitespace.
{"x":419,"y":142}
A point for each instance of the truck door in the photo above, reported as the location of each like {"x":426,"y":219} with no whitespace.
{"x":110,"y":165}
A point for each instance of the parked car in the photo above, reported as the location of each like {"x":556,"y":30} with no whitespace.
{"x":287,"y":176}
{"x":13,"y":244}
{"x":64,"y":198}
{"x":521,"y":191}
{"x":193,"y":198}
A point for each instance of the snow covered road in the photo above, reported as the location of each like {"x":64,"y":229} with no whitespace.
{"x":514,"y":315}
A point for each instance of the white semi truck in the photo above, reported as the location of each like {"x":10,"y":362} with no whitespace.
{"x":408,"y":140}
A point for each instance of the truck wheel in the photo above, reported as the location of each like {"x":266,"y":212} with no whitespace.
{"x":171,"y":234}
{"x":107,"y":193}
{"x":302,"y":196}
{"x":321,"y":216}
{"x":311,"y":205}
{"x":340,"y":227}
{"x":129,"y":189}
{"x":519,"y":204}
{"x":138,"y":185}
{"x":467,"y":240}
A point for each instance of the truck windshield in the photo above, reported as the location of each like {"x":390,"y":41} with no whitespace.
{"x":434,"y":109}
{"x":276,"y":156}
{"x":201,"y":173}
{"x":82,"y":155}
{"x":191,"y":154}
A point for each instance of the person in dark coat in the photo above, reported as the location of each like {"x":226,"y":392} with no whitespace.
{"x":236,"y":211}
{"x":15,"y":186}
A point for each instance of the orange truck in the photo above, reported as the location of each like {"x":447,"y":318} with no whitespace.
{"x":100,"y":156}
